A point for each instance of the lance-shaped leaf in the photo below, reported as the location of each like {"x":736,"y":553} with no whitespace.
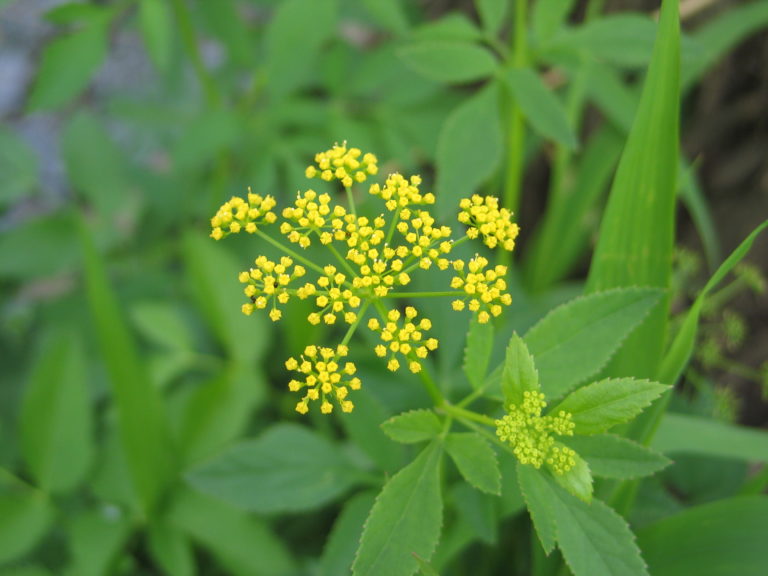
{"x":538,"y":498}
{"x":577,"y":480}
{"x":405,"y":521}
{"x":519,"y":372}
{"x":478,"y":351}
{"x":449,"y":61}
{"x":601,"y":405}
{"x":637,"y":232}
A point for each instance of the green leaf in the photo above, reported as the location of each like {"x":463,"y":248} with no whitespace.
{"x":18,"y":165}
{"x":171,"y":549}
{"x":492,"y":15}
{"x":538,"y":499}
{"x":476,"y":461}
{"x":241,"y":543}
{"x":478,"y":510}
{"x":577,"y":480}
{"x":213,"y":279}
{"x":612,"y":456}
{"x":142,"y":424}
{"x":95,"y":165}
{"x":25,"y":517}
{"x":224,"y":20}
{"x":364,"y":427}
{"x":594,"y":539}
{"x":96,"y":540}
{"x":425,"y":568}
{"x":56,"y":423}
{"x":623,"y":39}
{"x":389,"y":14}
{"x":575,"y":340}
{"x":156,"y":25}
{"x":218,"y":410}
{"x":696,"y":435}
{"x":67,"y":64}
{"x":163,"y":324}
{"x":405,"y":520}
{"x":461,"y":168}
{"x":205,"y":136}
{"x":477,"y":353}
{"x":519,"y":373}
{"x":413,"y":426}
{"x":562,"y":238}
{"x":721,"y":34}
{"x":681,"y":350}
{"x":540,"y":106}
{"x":341,"y":545}
{"x":601,"y":405}
{"x":305,"y":23}
{"x":637,"y":232}
{"x":451,"y":26}
{"x":548,"y":17}
{"x":718,"y":539}
{"x":288,"y":468}
{"x":450,"y":62}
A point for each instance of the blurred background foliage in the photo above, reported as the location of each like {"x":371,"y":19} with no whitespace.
{"x":126,"y":123}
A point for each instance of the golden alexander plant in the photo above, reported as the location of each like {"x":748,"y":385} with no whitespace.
{"x":370,"y":266}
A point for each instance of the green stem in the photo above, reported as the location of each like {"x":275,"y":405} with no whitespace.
{"x":188,"y":40}
{"x":351,"y":200}
{"x":355,"y":324}
{"x":392,"y":226}
{"x":463,"y":414}
{"x":343,"y":262}
{"x":308,"y":263}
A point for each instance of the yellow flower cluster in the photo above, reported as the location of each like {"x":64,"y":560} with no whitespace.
{"x":484,"y":218}
{"x":345,"y":165}
{"x":268,"y":283}
{"x":428,"y":241}
{"x":312,"y":213}
{"x":407,"y":340}
{"x":530,"y":434}
{"x":237,"y":215}
{"x":373,"y":257}
{"x":485,"y":290}
{"x":333,"y":298}
{"x":324,"y":378}
{"x":399,"y":192}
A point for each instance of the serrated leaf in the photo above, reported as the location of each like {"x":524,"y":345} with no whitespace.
{"x":56,"y":422}
{"x":413,"y":426}
{"x":612,"y":456}
{"x":67,"y":64}
{"x":477,"y":353}
{"x":476,"y":461}
{"x":450,"y":62}
{"x":538,"y":498}
{"x":577,"y":480}
{"x":637,"y":232}
{"x":601,"y":405}
{"x":461,"y":169}
{"x":594,"y":539}
{"x":242,"y":544}
{"x":492,"y":14}
{"x":723,"y":538}
{"x":405,"y":520}
{"x":288,"y":468}
{"x":575,"y":340}
{"x":340,"y":547}
{"x":540,"y":106}
{"x":519,"y":373}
